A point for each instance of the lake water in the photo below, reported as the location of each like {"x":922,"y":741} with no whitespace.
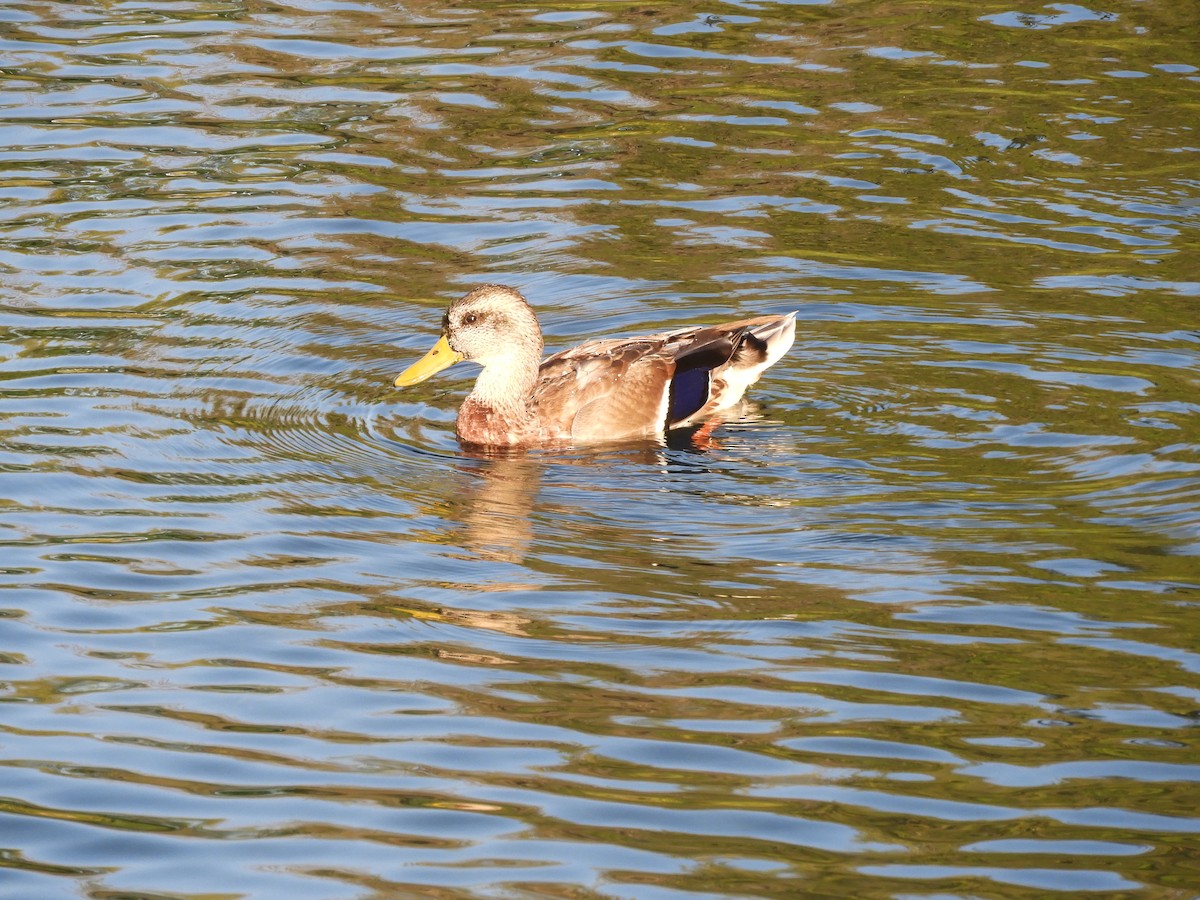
{"x":921,"y":622}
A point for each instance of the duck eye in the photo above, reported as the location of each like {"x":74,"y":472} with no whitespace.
{"x":471,"y":318}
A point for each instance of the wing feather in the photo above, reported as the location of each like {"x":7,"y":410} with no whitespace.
{"x":621,"y":388}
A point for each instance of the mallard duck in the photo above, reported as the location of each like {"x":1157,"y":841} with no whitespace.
{"x":603,"y":390}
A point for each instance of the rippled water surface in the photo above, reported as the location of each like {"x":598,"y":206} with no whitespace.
{"x":921,"y":622}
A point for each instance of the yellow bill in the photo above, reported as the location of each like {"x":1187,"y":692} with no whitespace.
{"x":440,"y":357}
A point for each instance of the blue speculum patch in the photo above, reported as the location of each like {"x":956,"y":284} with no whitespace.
{"x":689,"y":392}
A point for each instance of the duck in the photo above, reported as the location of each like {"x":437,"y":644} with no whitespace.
{"x":611,"y":389}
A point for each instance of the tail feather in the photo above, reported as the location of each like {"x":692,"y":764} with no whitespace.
{"x":778,"y":336}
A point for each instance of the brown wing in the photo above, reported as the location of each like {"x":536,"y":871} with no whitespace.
{"x":605,"y":390}
{"x":623,"y":388}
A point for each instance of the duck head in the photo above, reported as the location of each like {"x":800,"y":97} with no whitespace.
{"x":492,"y":325}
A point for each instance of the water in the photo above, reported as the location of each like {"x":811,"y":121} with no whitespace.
{"x":921,"y":622}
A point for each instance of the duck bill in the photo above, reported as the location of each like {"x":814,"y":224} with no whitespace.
{"x":442,"y":356}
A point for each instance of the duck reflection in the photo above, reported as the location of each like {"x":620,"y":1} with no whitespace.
{"x":495,"y":515}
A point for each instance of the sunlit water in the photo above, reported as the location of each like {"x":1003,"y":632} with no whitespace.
{"x":921,"y":622}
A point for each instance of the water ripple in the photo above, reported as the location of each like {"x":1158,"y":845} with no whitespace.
{"x":266,"y":628}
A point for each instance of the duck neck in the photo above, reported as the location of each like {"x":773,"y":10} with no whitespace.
{"x":505,"y":386}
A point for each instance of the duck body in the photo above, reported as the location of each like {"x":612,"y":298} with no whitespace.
{"x":615,"y":389}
